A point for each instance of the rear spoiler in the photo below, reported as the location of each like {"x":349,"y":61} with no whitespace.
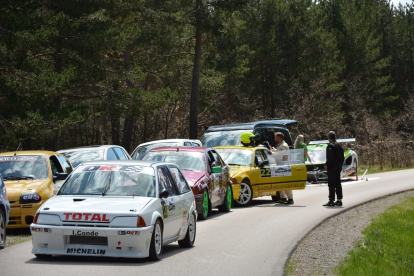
{"x":347,"y":140}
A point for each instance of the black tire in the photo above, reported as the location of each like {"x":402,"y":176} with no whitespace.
{"x":228,"y":200}
{"x":190,"y":236}
{"x":155,"y":251}
{"x":3,"y":232}
{"x":43,"y":256}
{"x":246,"y":194}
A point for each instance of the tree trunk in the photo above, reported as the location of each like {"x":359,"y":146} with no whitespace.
{"x":195,"y":84}
{"x":129,"y":122}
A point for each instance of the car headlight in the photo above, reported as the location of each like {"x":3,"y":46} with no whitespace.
{"x":30,"y":198}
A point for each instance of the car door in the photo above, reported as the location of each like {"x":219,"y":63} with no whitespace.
{"x":172,"y":207}
{"x":185,"y":196}
{"x":215,"y":178}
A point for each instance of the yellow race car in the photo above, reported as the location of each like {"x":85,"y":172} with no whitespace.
{"x":259,"y":174}
{"x":31,"y":178}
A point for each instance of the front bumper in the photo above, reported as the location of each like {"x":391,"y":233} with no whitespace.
{"x":91,"y":241}
{"x":21,"y":215}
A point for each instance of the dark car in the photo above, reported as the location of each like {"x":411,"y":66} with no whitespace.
{"x":4,"y":212}
{"x":206,"y":173}
{"x":229,"y":135}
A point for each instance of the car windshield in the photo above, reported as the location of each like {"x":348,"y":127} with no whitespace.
{"x":110,"y":180}
{"x":140,"y":151}
{"x":236,"y":157}
{"x":23,"y":167}
{"x":190,"y":161}
{"x":222,"y":138}
{"x":77,"y":157}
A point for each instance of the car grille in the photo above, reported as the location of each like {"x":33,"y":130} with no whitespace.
{"x":87,"y":240}
{"x":15,"y":220}
{"x":27,"y":206}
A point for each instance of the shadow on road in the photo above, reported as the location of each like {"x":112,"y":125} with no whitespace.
{"x":168,"y":251}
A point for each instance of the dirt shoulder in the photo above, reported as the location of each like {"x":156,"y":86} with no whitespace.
{"x":329,"y":243}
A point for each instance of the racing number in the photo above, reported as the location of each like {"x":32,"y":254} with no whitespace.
{"x":265,"y":172}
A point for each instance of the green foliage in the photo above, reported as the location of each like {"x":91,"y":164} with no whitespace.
{"x":110,"y":71}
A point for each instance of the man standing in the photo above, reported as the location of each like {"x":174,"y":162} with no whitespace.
{"x":334,"y":160}
{"x":285,"y":196}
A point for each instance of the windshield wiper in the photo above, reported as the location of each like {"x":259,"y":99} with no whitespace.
{"x":234,"y":164}
{"x":17,"y":177}
{"x":107,"y":185}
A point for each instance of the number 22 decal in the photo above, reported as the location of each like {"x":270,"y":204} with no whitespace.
{"x":265,"y":172}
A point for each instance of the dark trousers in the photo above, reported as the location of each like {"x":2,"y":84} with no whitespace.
{"x":334,"y":184}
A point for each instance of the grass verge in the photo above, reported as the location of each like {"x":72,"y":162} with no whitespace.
{"x":387,"y":247}
{"x":377,"y":169}
{"x":16,"y":236}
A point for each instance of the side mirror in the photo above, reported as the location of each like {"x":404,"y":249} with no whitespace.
{"x":164,"y":194}
{"x":60,"y":176}
{"x":264,"y":163}
{"x":217,"y":169}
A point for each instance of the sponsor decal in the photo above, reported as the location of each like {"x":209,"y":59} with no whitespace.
{"x":276,"y":171}
{"x":349,"y":171}
{"x":86,"y":217}
{"x":109,"y":168}
{"x":18,"y":158}
{"x":129,"y":233}
{"x":85,"y":233}
{"x":85,"y":251}
{"x":278,"y":187}
{"x":185,"y":218}
{"x":31,"y":197}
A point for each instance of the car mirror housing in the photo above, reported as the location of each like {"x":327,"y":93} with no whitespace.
{"x":164,"y":194}
{"x":217,"y":169}
{"x":60,"y":176}
{"x":264,"y":163}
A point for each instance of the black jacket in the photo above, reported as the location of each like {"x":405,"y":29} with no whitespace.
{"x":334,"y":157}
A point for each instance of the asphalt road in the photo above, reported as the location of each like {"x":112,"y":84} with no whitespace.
{"x":255,"y":240}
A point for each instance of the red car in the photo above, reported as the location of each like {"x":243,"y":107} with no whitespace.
{"x":206,"y":173}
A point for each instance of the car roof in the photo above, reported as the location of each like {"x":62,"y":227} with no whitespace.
{"x":29,"y":152}
{"x":239,"y":147}
{"x":171,"y":141}
{"x":252,"y":125}
{"x":89,"y":148}
{"x":181,"y":148}
{"x":127,"y":163}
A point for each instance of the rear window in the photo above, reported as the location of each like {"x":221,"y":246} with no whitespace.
{"x":140,"y":151}
{"x":222,"y":138}
{"x":80,"y":156}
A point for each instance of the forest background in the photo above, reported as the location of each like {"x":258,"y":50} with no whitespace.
{"x":87,"y":72}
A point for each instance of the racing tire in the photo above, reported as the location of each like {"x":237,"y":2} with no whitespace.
{"x":356,"y":168}
{"x":190,"y":236}
{"x":155,"y":250}
{"x":43,"y":256}
{"x":246,"y":194}
{"x":2,"y":229}
{"x":228,"y":201}
{"x":206,"y":206}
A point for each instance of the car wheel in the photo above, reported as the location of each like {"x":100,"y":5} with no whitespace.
{"x":190,"y":236}
{"x":206,"y":206}
{"x":156,"y":242}
{"x":246,"y":194}
{"x":43,"y":256}
{"x":228,"y":201}
{"x":2,"y":229}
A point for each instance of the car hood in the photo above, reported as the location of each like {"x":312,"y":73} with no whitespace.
{"x":193,"y":176}
{"x":16,"y":188}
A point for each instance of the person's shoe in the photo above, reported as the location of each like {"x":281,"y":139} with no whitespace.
{"x":338,"y":203}
{"x":329,"y":203}
{"x":290,"y":201}
{"x":282,"y":200}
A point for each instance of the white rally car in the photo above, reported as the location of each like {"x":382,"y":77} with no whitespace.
{"x":117,"y":209}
